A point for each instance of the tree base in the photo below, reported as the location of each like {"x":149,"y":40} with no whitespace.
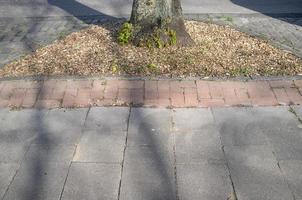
{"x":162,"y":34}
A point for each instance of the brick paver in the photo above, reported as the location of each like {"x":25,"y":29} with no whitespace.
{"x":150,"y":93}
{"x":261,"y":93}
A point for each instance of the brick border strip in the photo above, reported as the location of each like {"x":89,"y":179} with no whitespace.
{"x":56,"y":93}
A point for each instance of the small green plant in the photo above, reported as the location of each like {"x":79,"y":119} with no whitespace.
{"x":125,"y":34}
{"x":188,"y":60}
{"x":152,"y":68}
{"x":227,"y":18}
{"x":172,"y":36}
{"x":114,"y":68}
{"x":62,"y":35}
{"x":159,"y":38}
{"x":242,"y":71}
{"x":158,"y":42}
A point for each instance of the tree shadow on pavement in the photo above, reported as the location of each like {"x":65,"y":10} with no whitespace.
{"x":149,"y":152}
{"x":285,"y":10}
{"x":25,"y":35}
{"x":81,"y":11}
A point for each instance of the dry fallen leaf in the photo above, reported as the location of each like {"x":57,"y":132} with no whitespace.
{"x":219,"y":51}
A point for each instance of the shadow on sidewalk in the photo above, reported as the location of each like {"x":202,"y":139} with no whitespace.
{"x":74,"y":8}
{"x":42,"y":171}
{"x":282,"y":12}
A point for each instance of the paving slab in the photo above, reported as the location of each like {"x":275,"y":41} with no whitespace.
{"x":18,"y":130}
{"x":50,"y":153}
{"x":197,"y":139}
{"x":192,"y":119}
{"x":38,"y":180}
{"x":287,"y":143}
{"x":255,"y":173}
{"x":203,"y":181}
{"x":282,"y":130}
{"x":238,"y":126}
{"x":292,"y":170}
{"x":105,"y":129}
{"x":46,"y":165}
{"x":298,"y":110}
{"x":101,"y":146}
{"x":7,"y":172}
{"x":120,"y":8}
{"x":150,"y":127}
{"x":148,"y":174}
{"x":12,"y":121}
{"x":274,"y":126}
{"x":59,"y":121}
{"x":148,"y":171}
{"x":13,"y":152}
{"x":92,"y":181}
{"x":107,"y":119}
{"x":169,"y":153}
{"x":198,"y":146}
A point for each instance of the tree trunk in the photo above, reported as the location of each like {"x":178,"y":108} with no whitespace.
{"x":161,"y":20}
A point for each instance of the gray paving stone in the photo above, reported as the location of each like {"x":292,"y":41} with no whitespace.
{"x":7,"y":172}
{"x":239,"y":126}
{"x":38,"y":180}
{"x":9,"y":47}
{"x":92,"y":181}
{"x":282,"y":130}
{"x":18,"y":130}
{"x":61,"y":127}
{"x":17,"y":135}
{"x":13,"y":152}
{"x":203,"y":181}
{"x":14,"y":121}
{"x":101,"y":146}
{"x":50,"y":153}
{"x":105,"y":129}
{"x":107,"y":119}
{"x":287,"y":142}
{"x":274,"y":114}
{"x":298,"y":110}
{"x":192,"y":119}
{"x":198,"y":146}
{"x":148,"y":174}
{"x":121,"y":7}
{"x":148,"y":171}
{"x":148,"y":167}
{"x":274,"y":126}
{"x":292,"y":170}
{"x":255,"y":173}
{"x":150,"y":127}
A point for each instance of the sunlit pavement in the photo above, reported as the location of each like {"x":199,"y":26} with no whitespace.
{"x":151,"y":153}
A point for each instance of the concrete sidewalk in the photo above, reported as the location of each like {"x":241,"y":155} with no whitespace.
{"x":147,"y":153}
{"x":122,"y":8}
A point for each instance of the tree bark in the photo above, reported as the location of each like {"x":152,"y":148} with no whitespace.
{"x":159,"y":16}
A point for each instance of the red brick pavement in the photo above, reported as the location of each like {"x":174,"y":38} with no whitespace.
{"x":56,"y":93}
